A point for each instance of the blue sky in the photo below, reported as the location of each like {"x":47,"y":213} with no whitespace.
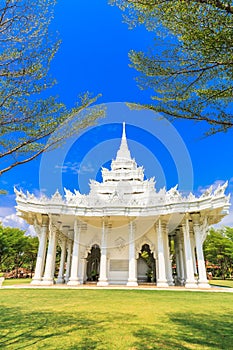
{"x":94,"y":56}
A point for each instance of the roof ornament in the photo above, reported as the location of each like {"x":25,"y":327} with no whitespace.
{"x":56,"y":197}
{"x":123,"y":151}
{"x":19,"y":194}
{"x":123,"y":132}
{"x":207,"y":192}
{"x":220,"y":190}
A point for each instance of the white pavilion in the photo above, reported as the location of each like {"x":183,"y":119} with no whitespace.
{"x":124,"y":231}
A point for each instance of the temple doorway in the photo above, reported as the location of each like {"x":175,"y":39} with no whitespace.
{"x":146,"y":267}
{"x":93,"y":263}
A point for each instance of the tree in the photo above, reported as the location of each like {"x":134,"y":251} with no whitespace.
{"x":229,"y":233}
{"x":12,"y":246}
{"x":28,"y":115}
{"x":218,"y":250}
{"x":30,"y":253}
{"x":16,"y":249}
{"x":191,"y":71}
{"x":4,"y":248}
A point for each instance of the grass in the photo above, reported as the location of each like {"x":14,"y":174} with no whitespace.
{"x":13,"y":281}
{"x":115,"y":319}
{"x":222,"y":283}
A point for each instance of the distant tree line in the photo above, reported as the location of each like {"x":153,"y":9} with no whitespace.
{"x":218,"y":251}
{"x":17,"y":250}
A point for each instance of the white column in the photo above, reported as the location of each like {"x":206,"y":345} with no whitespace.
{"x":85,"y":270}
{"x":192,"y":240}
{"x":190,"y":281}
{"x":60,"y":278}
{"x":202,"y":279}
{"x":40,"y":261}
{"x":156,"y":268}
{"x":177,"y":259}
{"x":182,"y":259}
{"x":132,"y":280}
{"x":167,"y":257}
{"x":74,"y":279}
{"x":162,"y":280}
{"x":48,"y":278}
{"x":103,"y":281}
{"x":82,"y":269}
{"x":68,"y":261}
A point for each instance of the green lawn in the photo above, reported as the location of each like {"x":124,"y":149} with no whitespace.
{"x":115,"y":319}
{"x":12,"y":281}
{"x":222,"y":283}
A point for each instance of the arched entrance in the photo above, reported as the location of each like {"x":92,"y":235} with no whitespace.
{"x":146,"y":268}
{"x":93,"y":263}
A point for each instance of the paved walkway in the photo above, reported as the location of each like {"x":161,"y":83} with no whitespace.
{"x":120,"y":287}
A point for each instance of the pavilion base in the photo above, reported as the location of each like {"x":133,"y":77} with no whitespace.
{"x":47,"y":282}
{"x":102,"y":283}
{"x":162,"y":284}
{"x":204,"y":284}
{"x":73,"y":283}
{"x":36,"y":281}
{"x":191,"y":284}
{"x":132,"y":284}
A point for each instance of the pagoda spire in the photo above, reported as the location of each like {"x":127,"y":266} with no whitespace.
{"x":123,"y":132}
{"x":123,"y":151}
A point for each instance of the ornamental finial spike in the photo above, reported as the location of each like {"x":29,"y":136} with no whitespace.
{"x":123,"y":151}
{"x":123,"y":132}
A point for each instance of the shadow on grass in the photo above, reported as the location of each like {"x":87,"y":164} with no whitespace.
{"x":225,"y":285}
{"x":150,"y":338}
{"x":47,"y":329}
{"x":188,"y":331}
{"x":54,"y":330}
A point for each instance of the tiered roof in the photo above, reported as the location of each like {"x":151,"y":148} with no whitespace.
{"x":124,"y":179}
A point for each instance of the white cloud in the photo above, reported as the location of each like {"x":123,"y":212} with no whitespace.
{"x":88,"y":168}
{"x":75,"y":168}
{"x":4,"y":182}
{"x":4,"y":211}
{"x":12,"y":220}
{"x":62,"y":168}
{"x":71,"y":167}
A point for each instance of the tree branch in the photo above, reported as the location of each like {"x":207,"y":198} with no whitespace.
{"x":29,"y":158}
{"x":228,"y":124}
{"x":218,"y":4}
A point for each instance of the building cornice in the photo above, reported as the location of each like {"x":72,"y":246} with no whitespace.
{"x":215,"y":203}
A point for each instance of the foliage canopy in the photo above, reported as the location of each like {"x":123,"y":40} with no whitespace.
{"x":28,"y":114}
{"x":189,"y":71}
{"x":218,"y":250}
{"x":16,"y":249}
